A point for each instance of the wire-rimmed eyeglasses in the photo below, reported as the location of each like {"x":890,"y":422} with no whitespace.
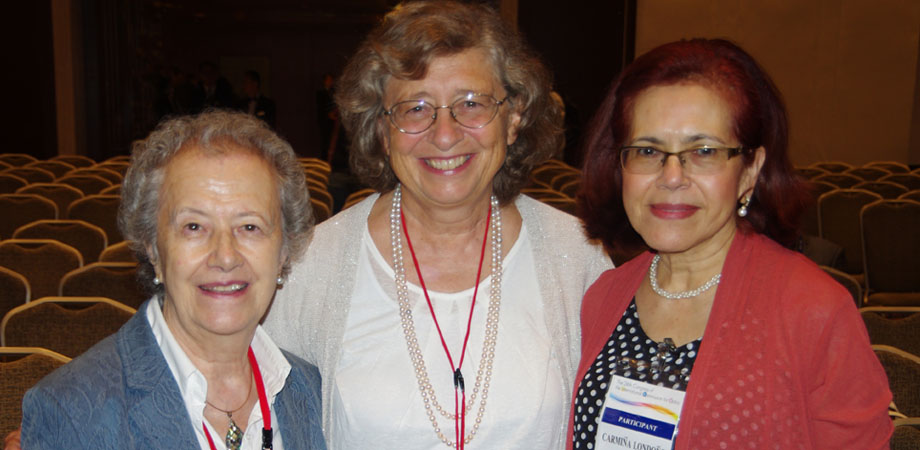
{"x":704,"y":160}
{"x":471,"y":111}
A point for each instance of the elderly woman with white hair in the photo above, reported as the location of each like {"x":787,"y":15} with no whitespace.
{"x":216,"y":209}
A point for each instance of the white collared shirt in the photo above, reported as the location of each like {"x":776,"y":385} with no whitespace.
{"x":194,"y":387}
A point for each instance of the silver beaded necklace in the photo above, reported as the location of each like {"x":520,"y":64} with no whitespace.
{"x":484,"y":372}
{"x":653,"y":280}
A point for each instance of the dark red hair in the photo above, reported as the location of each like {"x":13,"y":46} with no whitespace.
{"x":759,"y":120}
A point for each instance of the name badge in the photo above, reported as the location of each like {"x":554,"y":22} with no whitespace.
{"x":638,"y":416}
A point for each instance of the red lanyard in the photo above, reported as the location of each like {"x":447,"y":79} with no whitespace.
{"x":459,"y":402}
{"x":263,"y":404}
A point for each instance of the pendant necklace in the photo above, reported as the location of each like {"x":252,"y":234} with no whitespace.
{"x":484,"y":373}
{"x":234,"y":434}
{"x":234,"y":437}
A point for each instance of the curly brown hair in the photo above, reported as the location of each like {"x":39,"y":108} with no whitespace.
{"x":403,"y":46}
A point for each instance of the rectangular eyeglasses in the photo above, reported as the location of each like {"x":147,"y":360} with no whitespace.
{"x":704,"y":160}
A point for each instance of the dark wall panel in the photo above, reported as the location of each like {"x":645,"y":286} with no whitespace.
{"x":29,"y":65}
{"x":586,"y":44}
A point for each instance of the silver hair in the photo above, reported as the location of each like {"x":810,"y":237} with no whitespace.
{"x":210,"y":131}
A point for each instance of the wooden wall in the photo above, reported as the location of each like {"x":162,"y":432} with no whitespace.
{"x":847,"y":68}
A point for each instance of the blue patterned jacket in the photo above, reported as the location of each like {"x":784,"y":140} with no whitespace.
{"x":120,"y":394}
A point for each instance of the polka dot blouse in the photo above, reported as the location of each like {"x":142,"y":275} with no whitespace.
{"x":629,"y":353}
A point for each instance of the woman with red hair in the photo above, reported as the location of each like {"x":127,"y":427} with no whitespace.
{"x":719,"y":337}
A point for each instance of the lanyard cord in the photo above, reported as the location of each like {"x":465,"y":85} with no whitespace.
{"x":459,"y":412}
{"x":263,"y":405}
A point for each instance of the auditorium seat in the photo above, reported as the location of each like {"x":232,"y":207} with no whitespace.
{"x":32,"y":174}
{"x":891,"y":166}
{"x":61,"y":194}
{"x":357,"y":196}
{"x":87,"y":238}
{"x":833,"y":166}
{"x":20,"y":209}
{"x":88,"y":184}
{"x":14,"y":290}
{"x":109,"y":175}
{"x":99,"y":210}
{"x":20,"y":369}
{"x":58,"y":168}
{"x":908,"y":180}
{"x":841,"y":180}
{"x":891,"y":243}
{"x":903,"y":370}
{"x":119,"y":252}
{"x":886,"y":189}
{"x":41,"y":261}
{"x":17,"y":159}
{"x":10,"y":183}
{"x":838,"y":222}
{"x":868,"y":173}
{"x":893,"y":325}
{"x":321,"y":210}
{"x":75,"y":160}
{"x":911,"y":195}
{"x":114,"y":280}
{"x":810,"y":173}
{"x":120,"y":167}
{"x":67,"y":325}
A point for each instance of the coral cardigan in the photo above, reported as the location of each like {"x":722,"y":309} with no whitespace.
{"x":785,"y":360}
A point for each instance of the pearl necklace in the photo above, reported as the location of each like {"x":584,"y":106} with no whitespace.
{"x":653,"y":280}
{"x":484,"y":372}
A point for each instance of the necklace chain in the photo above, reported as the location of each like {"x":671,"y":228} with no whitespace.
{"x":229,"y":413}
{"x":653,"y":280}
{"x":234,"y":437}
{"x":484,"y":372}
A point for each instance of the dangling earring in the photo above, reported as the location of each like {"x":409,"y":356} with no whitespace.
{"x":743,"y":210}
{"x":280,"y":281}
{"x":156,"y":281}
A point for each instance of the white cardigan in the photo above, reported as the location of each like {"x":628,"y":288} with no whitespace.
{"x":309,"y":313}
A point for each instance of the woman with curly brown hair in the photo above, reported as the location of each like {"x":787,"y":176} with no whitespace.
{"x":443,"y":311}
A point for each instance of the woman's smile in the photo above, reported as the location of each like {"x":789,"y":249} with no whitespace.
{"x":447,"y":166}
{"x":673,"y":210}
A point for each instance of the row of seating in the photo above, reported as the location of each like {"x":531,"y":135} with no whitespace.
{"x":35,"y":268}
{"x":871,"y":169}
{"x":886,"y":178}
{"x":42,"y":335}
{"x":64,"y":187}
{"x":893,"y":333}
{"x":20,"y":369}
{"x":20,"y":209}
{"x":82,"y":173}
{"x":878,"y":239}
{"x":317,"y":173}
{"x":867,"y":234}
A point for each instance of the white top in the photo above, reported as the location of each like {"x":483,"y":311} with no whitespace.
{"x":310,"y":314}
{"x":523,"y":410}
{"x":194,"y":388}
